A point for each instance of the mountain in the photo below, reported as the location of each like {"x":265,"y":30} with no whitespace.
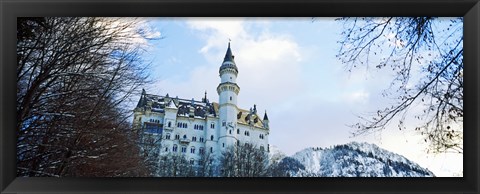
{"x":350,"y":160}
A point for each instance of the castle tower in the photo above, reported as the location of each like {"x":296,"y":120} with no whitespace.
{"x":228,"y":91}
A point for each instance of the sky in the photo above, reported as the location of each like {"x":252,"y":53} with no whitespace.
{"x":288,"y":68}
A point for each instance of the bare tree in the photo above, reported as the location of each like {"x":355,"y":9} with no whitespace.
{"x":74,"y":76}
{"x":243,"y":161}
{"x":206,"y":165}
{"x":405,"y":44}
{"x":175,"y":165}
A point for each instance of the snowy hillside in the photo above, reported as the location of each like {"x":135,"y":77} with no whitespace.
{"x":351,"y":160}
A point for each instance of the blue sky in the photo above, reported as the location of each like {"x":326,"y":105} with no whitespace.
{"x":287,"y":66}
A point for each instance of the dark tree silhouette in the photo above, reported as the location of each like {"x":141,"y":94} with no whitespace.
{"x":73,"y":77}
{"x":405,"y":44}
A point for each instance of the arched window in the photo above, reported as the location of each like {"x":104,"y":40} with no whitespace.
{"x":167,"y":136}
{"x":169,"y":124}
{"x":238,"y":131}
{"x":192,"y":150}
{"x":211,"y":137}
{"x":230,"y":131}
{"x":212,"y":125}
{"x":201,"y":151}
{"x":211,"y":149}
{"x":184,"y":136}
{"x":184,"y":149}
{"x":175,"y":147}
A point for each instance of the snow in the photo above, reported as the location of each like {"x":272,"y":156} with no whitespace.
{"x":356,"y":160}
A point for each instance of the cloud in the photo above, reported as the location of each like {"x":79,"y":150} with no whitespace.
{"x":269,"y":64}
{"x":360,"y":96}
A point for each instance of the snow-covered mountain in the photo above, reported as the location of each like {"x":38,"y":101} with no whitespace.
{"x":350,"y":160}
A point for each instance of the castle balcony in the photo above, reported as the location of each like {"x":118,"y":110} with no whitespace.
{"x":184,"y":141}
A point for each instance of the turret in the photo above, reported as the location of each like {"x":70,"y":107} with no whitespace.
{"x":228,"y":91}
{"x":265,"y":120}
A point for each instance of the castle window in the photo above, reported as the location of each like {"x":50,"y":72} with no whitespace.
{"x":201,"y":151}
{"x":238,"y":143}
{"x":224,"y":123}
{"x":212,"y":125}
{"x":192,"y":161}
{"x":211,"y":137}
{"x":230,"y":78}
{"x":177,"y":136}
{"x":169,"y":124}
{"x":192,"y":150}
{"x":211,"y":149}
{"x":179,"y":125}
{"x":201,"y":139}
{"x":238,"y":131}
{"x":230,"y":98}
{"x":195,"y":127}
{"x":223,"y":144}
{"x":166,"y":149}
{"x":167,"y":136}
{"x":230,"y":131}
{"x":175,"y":147}
{"x":262,"y":148}
{"x":194,"y":138}
{"x":201,"y":127}
{"x":184,"y":136}
{"x":184,"y":149}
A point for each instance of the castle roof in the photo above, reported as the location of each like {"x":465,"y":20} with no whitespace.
{"x":245,"y":117}
{"x":228,"y":61}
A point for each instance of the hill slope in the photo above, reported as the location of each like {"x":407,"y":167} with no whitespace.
{"x":351,"y":160}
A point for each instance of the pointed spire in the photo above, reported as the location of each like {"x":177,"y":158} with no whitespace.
{"x":228,"y":62}
{"x":265,"y":117}
{"x":205,"y":98}
{"x":141,"y":102}
{"x":229,"y":56}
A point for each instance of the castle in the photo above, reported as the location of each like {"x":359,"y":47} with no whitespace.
{"x":194,"y":127}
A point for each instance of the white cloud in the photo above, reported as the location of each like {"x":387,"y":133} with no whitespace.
{"x":360,"y":96}
{"x":269,"y":64}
